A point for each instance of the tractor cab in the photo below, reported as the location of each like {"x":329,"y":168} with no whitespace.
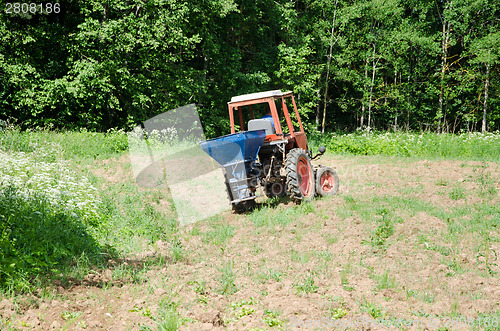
{"x":269,"y":111}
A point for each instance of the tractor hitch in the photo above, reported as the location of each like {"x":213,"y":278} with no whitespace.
{"x":321,"y":151}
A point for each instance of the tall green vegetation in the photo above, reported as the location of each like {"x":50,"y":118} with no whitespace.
{"x":49,"y":214}
{"x":384,"y":64}
{"x":38,"y":239}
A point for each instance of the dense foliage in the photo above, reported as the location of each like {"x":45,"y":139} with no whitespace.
{"x":352,"y":63}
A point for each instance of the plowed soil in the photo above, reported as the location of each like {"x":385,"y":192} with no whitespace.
{"x":401,"y":240}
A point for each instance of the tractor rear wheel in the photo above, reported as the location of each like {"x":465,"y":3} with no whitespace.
{"x":327,"y":181}
{"x":299,"y":175}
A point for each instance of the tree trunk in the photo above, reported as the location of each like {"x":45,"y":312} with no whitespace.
{"x":485,"y":104}
{"x":371,"y":89}
{"x":444,"y":57}
{"x":396,"y":101}
{"x":408,"y":101}
{"x":318,"y":94}
{"x":362,"y":119}
{"x":329,"y":60}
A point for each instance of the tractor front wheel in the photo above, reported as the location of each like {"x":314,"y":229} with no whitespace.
{"x":327,"y":181}
{"x":299,"y":175}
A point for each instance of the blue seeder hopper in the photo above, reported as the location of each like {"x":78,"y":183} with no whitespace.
{"x":237,"y":154}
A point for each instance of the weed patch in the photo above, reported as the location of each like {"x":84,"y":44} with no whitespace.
{"x":372,"y":309}
{"x":485,"y":180}
{"x":457,"y":193}
{"x":384,"y":230}
{"x":227,"y":279}
{"x":306,"y":285}
{"x":271,"y":318}
{"x":385,"y":281}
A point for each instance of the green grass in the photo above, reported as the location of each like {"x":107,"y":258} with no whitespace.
{"x":271,"y":318}
{"x":269,"y":216}
{"x":384,"y":230}
{"x":344,"y":281}
{"x":374,"y":310}
{"x":483,"y":178}
{"x":178,"y":252}
{"x":457,"y":192}
{"x":167,"y":318}
{"x":442,"y":182}
{"x":297,"y":256}
{"x":270,"y":274}
{"x":134,"y":219}
{"x":218,"y":234}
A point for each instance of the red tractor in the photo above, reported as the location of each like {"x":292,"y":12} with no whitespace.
{"x":272,"y":153}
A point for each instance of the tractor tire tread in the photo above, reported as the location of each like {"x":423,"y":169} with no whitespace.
{"x":292,"y":181}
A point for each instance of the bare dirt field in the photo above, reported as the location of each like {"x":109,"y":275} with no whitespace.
{"x":405,"y":240}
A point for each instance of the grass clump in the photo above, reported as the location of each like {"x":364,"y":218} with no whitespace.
{"x":178,"y":252}
{"x":227,"y":279}
{"x":344,"y":281}
{"x":372,"y":309}
{"x":385,"y":281}
{"x":270,"y":274}
{"x":271,"y":318}
{"x":442,"y":182}
{"x":337,"y":313}
{"x":457,"y":193}
{"x":485,"y":181}
{"x":166,"y":318}
{"x":306,"y":285}
{"x":384,"y":230}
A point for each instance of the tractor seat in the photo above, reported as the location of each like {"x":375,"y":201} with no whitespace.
{"x":261,"y":124}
